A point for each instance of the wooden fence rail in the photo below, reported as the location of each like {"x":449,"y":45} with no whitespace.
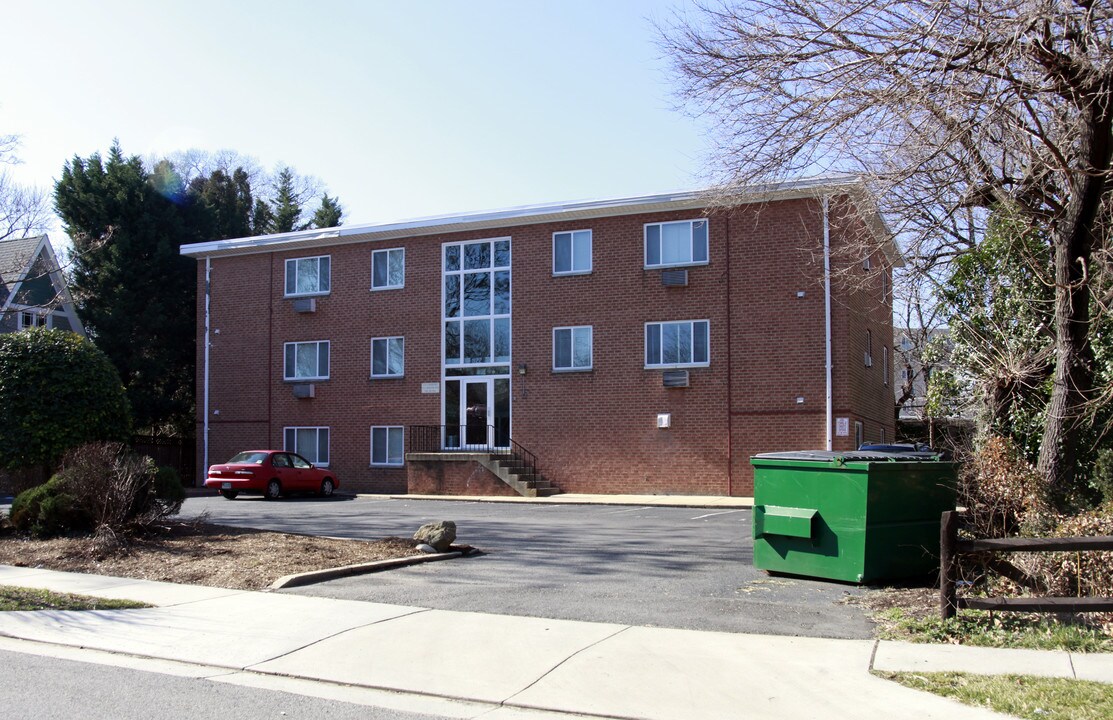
{"x":950,"y":547}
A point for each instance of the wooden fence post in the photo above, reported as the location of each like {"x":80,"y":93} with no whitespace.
{"x":948,"y":534}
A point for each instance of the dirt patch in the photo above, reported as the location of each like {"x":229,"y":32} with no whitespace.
{"x":203,"y":554}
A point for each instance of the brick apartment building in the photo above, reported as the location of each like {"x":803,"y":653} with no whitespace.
{"x":639,"y":345}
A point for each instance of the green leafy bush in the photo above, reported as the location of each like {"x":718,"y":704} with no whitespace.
{"x":168,"y":485}
{"x":48,"y":510}
{"x":57,"y":391}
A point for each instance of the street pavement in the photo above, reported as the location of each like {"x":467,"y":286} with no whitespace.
{"x":499,"y":667}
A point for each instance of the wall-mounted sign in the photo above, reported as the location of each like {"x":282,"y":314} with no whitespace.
{"x":430,"y":388}
{"x":842,"y":427}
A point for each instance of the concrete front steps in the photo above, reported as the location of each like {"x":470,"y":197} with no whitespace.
{"x":517,"y":475}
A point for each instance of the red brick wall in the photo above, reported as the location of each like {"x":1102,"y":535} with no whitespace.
{"x":453,"y":478}
{"x":592,"y":431}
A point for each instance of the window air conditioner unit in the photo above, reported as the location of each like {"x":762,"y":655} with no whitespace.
{"x":305,"y":305}
{"x":675,"y":378}
{"x":869,"y":360}
{"x":305,"y":390}
{"x":674,"y":278}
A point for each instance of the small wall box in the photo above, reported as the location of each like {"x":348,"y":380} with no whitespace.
{"x":664,"y":420}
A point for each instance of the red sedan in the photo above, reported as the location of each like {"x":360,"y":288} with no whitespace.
{"x":272,"y":473}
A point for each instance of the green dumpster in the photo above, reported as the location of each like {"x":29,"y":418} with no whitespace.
{"x":852,"y":516}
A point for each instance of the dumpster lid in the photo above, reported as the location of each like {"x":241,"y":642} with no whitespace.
{"x":843,"y":456}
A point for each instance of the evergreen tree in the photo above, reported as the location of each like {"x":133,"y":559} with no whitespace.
{"x":329,"y":214}
{"x":229,"y":202}
{"x":134,"y":291}
{"x":287,"y":203}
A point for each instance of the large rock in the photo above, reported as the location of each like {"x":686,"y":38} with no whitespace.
{"x":439,"y":534}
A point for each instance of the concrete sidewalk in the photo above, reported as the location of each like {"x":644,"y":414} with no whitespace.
{"x":469,"y":664}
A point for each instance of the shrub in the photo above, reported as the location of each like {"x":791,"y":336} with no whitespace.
{"x":57,"y":391}
{"x":1002,"y":492}
{"x":1081,"y":574}
{"x":117,"y":488}
{"x":48,"y":510}
{"x":168,"y":486}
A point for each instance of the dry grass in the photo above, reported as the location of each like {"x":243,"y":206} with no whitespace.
{"x":203,"y":554}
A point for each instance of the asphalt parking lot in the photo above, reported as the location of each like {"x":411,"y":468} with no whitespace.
{"x":655,"y":566}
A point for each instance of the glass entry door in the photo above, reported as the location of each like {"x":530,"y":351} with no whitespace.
{"x":476,"y":413}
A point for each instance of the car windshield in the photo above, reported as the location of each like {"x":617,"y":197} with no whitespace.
{"x":248,"y":458}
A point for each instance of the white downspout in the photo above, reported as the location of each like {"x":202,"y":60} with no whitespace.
{"x":827,"y":318}
{"x":205,"y":440}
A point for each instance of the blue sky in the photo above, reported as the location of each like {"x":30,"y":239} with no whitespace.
{"x":403,"y":109}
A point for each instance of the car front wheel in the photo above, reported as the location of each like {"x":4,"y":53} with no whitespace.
{"x":326,"y":487}
{"x":229,"y":494}
{"x":274,"y":489}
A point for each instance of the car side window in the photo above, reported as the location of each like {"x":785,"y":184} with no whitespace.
{"x":281,"y":461}
{"x":300,"y":462}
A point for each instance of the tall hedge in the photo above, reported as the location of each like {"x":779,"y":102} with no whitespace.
{"x":57,"y":391}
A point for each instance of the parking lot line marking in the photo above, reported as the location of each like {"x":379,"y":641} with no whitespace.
{"x":724,"y":512}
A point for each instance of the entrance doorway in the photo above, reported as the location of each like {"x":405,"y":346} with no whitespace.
{"x":476,"y":413}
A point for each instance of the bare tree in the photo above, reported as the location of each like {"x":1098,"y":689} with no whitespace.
{"x":949,"y":109}
{"x":23,"y":210}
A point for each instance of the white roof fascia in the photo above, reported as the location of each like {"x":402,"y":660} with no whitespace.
{"x":515,"y":216}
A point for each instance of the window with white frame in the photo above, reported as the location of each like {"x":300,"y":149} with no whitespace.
{"x":308,"y":276}
{"x":306,"y":360}
{"x":869,"y":348}
{"x":388,"y":269}
{"x":676,"y":243}
{"x":309,"y":442}
{"x":884,"y":437}
{"x":30,"y":319}
{"x":859,"y":434}
{"x":572,"y":348}
{"x":572,"y":252}
{"x":387,"y":445}
{"x":885,"y":363}
{"x":677,"y":344}
{"x":388,"y":357}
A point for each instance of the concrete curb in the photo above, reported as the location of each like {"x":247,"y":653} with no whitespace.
{"x":316,"y":576}
{"x":620,"y":501}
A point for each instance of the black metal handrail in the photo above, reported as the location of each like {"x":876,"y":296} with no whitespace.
{"x":434,"y":439}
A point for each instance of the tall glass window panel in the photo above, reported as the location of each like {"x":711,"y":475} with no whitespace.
{"x":306,"y":361}
{"x":452,"y":342}
{"x":676,"y":243}
{"x":452,"y":413}
{"x":387,"y":445}
{"x":699,"y":241}
{"x":451,"y":296}
{"x":477,"y":341}
{"x":572,"y":252}
{"x":502,"y":293}
{"x":387,"y":357}
{"x":502,"y":340}
{"x":652,"y":245}
{"x":501,"y":417}
{"x":452,"y":257}
{"x":502,"y":253}
{"x":388,"y":269}
{"x":477,"y":294}
{"x":477,"y":256}
{"x":653,"y":344}
{"x":572,"y":348}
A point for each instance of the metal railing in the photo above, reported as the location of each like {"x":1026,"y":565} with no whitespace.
{"x":453,"y":439}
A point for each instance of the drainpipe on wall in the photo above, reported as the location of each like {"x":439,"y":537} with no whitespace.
{"x":827,"y":316}
{"x":205,"y":391}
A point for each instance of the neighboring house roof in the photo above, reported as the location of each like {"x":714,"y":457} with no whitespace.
{"x":555,"y":212}
{"x":16,"y":255}
{"x":31,"y":279}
